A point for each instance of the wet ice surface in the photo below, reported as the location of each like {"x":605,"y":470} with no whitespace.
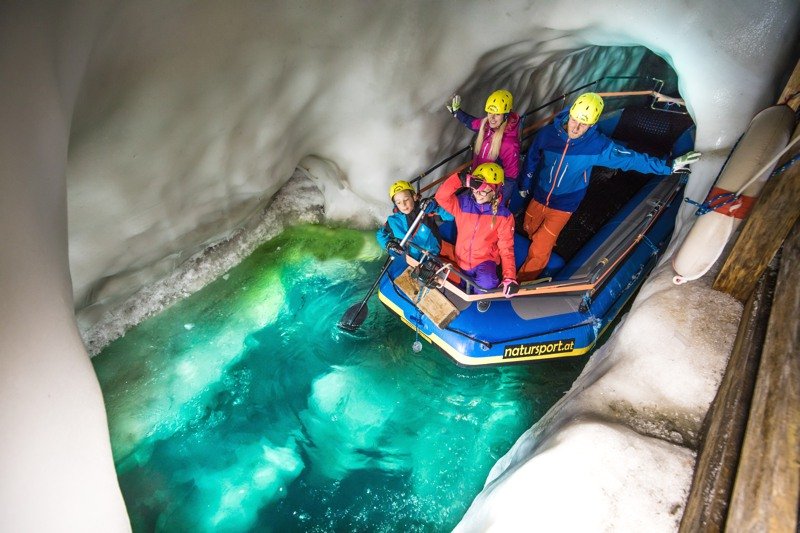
{"x":299,"y":200}
{"x":244,"y":407}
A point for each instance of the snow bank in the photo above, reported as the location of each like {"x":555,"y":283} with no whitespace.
{"x":299,"y":201}
{"x":622,"y":441}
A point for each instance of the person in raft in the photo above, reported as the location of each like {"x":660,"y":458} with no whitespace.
{"x":557,"y":170}
{"x":407,"y":206}
{"x":485,"y":227}
{"x":497,"y":140}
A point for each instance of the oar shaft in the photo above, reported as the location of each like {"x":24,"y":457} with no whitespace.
{"x":374,"y":285}
{"x":354,"y":322}
{"x":389,"y":259}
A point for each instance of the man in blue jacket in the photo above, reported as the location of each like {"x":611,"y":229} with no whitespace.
{"x":564,"y":153}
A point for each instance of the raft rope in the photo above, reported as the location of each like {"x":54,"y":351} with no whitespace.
{"x":711,"y":204}
{"x":416,"y":347}
{"x":653,"y":248}
{"x":721,"y":200}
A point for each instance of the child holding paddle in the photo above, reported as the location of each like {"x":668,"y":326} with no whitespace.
{"x":407,"y":206}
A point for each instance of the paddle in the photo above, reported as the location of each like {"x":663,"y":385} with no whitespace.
{"x":356,"y":314}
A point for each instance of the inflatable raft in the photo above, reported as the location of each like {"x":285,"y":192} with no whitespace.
{"x":603,"y":255}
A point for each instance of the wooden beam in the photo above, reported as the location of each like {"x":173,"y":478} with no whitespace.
{"x":767,"y":487}
{"x":791,"y":93}
{"x":774,"y":214}
{"x":726,"y":420}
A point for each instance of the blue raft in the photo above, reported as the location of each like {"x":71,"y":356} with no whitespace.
{"x":589,"y":279}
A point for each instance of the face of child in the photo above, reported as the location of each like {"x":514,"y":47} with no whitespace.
{"x":494,"y":120}
{"x":404,"y":201}
{"x":575,"y":129}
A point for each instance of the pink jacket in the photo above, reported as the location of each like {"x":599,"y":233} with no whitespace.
{"x":509,"y":148}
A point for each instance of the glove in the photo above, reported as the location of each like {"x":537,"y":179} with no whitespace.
{"x":394,"y":246}
{"x":427,"y":204}
{"x":686,"y":159}
{"x":455,"y":105}
{"x":524,"y":193}
{"x":510,"y":287}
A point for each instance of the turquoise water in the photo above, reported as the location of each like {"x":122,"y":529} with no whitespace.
{"x":244,"y":407}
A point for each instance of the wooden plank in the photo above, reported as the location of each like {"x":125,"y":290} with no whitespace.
{"x":765,"y":229}
{"x":767,"y":487}
{"x":726,"y":420}
{"x":791,"y":93}
{"x":433,"y":303}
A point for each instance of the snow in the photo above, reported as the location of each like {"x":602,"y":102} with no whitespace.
{"x":570,"y":484}
{"x":183,"y":120}
{"x":624,"y":437}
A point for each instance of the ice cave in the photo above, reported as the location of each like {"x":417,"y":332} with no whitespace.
{"x":190,"y":192}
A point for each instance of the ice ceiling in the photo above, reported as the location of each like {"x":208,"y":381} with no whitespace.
{"x":155,"y":128}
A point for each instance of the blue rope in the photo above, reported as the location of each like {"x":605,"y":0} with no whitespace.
{"x":710,"y":205}
{"x":788,"y":164}
{"x":653,"y":248}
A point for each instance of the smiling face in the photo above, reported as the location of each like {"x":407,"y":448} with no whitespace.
{"x":575,"y":129}
{"x":484,"y":195}
{"x":494,"y":120}
{"x":404,"y":201}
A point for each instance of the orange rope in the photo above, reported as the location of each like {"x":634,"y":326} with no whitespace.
{"x":658,"y":95}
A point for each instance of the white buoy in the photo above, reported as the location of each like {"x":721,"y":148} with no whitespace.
{"x":745,"y":173}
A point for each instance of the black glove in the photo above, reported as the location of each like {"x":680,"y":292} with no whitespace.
{"x":510,"y":287}
{"x":427,"y":205}
{"x":394,"y":246}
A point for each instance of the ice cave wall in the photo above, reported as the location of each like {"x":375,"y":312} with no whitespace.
{"x":189,"y":115}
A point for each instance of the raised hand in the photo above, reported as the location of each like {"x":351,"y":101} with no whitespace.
{"x":455,"y":104}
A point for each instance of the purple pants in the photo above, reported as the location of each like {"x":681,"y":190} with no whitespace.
{"x":485,"y":275}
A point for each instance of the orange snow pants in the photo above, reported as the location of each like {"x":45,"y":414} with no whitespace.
{"x":542,"y":225}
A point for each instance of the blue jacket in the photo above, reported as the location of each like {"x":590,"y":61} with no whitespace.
{"x":565,"y":165}
{"x":426,"y":236}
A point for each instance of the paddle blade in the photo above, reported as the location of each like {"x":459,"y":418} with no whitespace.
{"x":354,"y":317}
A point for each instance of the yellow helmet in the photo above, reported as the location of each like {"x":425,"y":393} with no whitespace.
{"x":499,"y":102}
{"x":491,"y":173}
{"x":587,"y":108}
{"x":398,"y":186}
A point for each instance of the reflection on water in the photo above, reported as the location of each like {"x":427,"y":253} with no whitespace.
{"x":245,"y":408}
